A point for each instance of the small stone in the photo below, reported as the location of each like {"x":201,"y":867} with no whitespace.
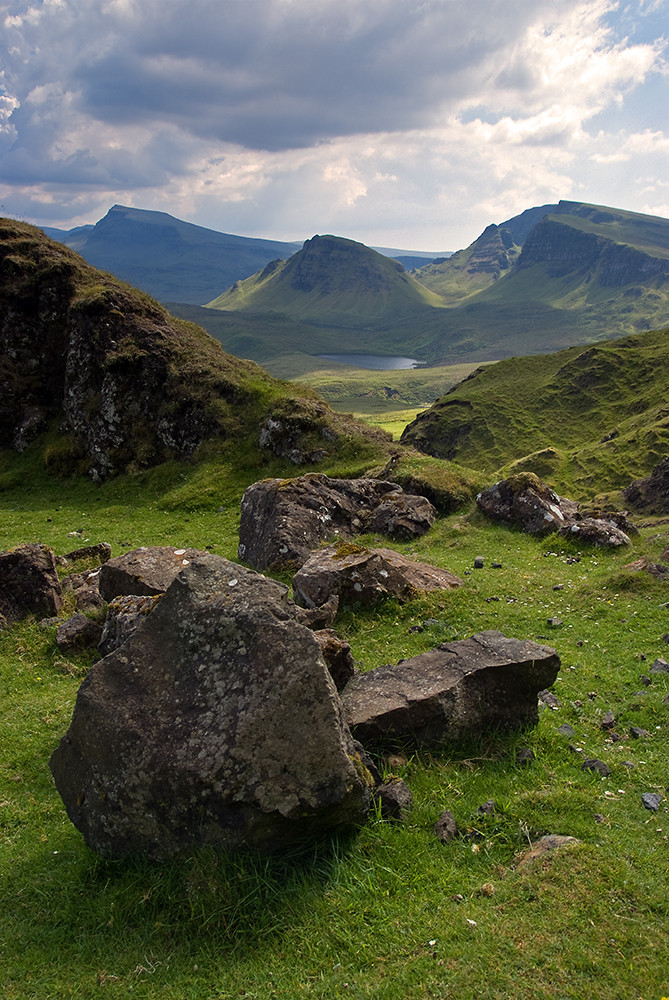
{"x":395,"y":798}
{"x":551,"y":842}
{"x":596,"y":766}
{"x":637,"y":733}
{"x":575,"y":749}
{"x":608,"y":720}
{"x":592,"y":695}
{"x":525,"y":756}
{"x":645,"y":680}
{"x":487,"y":808}
{"x":446,"y":829}
{"x":479,"y":562}
{"x":559,"y":586}
{"x":554,"y":622}
{"x":548,"y":699}
{"x":496,"y":565}
{"x":660,"y":666}
{"x":416,"y":629}
{"x":566,"y":730}
{"x":598,"y":818}
{"x":397,"y":760}
{"x":665,"y":637}
{"x":651,"y":800}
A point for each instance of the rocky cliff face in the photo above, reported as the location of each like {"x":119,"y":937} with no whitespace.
{"x":564,"y":249}
{"x":127,"y":385}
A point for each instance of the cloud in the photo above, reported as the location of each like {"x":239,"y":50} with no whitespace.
{"x":285,"y":117}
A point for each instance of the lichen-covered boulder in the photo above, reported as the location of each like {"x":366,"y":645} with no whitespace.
{"x":452,"y":692}
{"x":365,"y":576}
{"x":526,"y":502}
{"x":215,"y":723}
{"x":283,"y":520}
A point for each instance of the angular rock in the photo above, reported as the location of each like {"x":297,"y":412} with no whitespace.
{"x":608,"y":720}
{"x":147,"y":570}
{"x":658,"y":570}
{"x":528,"y":503}
{"x":283,"y":520}
{"x":451,"y":692}
{"x":101,"y":552}
{"x":365,"y":576}
{"x":446,"y":829}
{"x":78,"y":632}
{"x":394,"y":797}
{"x":596,"y":766}
{"x":124,"y":616}
{"x":216,"y":723}
{"x":651,"y":800}
{"x":321,"y":617}
{"x":525,"y":756}
{"x":660,"y":666}
{"x":337,"y":655}
{"x":651,"y":495}
{"x":597,"y":531}
{"x":29,"y":583}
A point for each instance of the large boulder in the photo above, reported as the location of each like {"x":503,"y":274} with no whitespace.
{"x":28,"y":583}
{"x":452,"y":692}
{"x":355,"y":573}
{"x":526,"y":502}
{"x":600,"y":531}
{"x":146,"y":571}
{"x":283,"y":520}
{"x":215,"y":723}
{"x":651,"y":494}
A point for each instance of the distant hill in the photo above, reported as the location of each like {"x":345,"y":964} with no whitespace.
{"x":177,"y":261}
{"x":584,"y":419}
{"x":104,"y":380}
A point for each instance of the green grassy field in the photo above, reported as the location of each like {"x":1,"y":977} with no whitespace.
{"x":390,"y":912}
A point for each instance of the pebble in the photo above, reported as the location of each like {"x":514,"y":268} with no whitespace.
{"x":487,"y":808}
{"x":596,"y":766}
{"x":608,"y":720}
{"x":637,"y":733}
{"x":479,"y":562}
{"x":566,"y":730}
{"x":651,"y":800}
{"x":525,"y":756}
{"x":555,"y":622}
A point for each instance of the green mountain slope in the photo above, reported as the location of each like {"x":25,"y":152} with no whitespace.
{"x":331,"y":281}
{"x":584,"y":417}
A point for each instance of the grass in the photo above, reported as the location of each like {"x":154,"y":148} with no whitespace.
{"x":390,"y":912}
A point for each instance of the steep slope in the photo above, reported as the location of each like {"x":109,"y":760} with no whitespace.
{"x":585,"y":417}
{"x":471,"y":270}
{"x":331,"y":281}
{"x":170,"y":259}
{"x":118,"y":382}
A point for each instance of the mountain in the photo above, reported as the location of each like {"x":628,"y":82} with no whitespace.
{"x":584,"y":417}
{"x":104,"y":380}
{"x":331,"y":281}
{"x":177,"y":261}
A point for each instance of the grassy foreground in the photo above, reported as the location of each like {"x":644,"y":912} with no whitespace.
{"x":390,"y":913}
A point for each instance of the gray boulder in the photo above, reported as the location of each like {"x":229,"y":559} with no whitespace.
{"x":216,"y":723}
{"x":282,"y":520}
{"x":451,"y":692}
{"x":28,"y":583}
{"x":147,"y":570}
{"x":528,"y":503}
{"x":365,"y":576}
{"x":597,"y":531}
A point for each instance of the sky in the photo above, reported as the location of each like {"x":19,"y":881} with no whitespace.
{"x":410,"y":124}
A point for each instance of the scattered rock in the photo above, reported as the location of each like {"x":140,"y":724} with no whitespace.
{"x":651,"y":494}
{"x":321,"y":617}
{"x":565,"y":729}
{"x":658,"y":570}
{"x":660,"y":666}
{"x":147,"y":570}
{"x":525,"y":756}
{"x":452,"y":691}
{"x":637,"y":733}
{"x":78,"y":632}
{"x":100,"y":552}
{"x":551,"y":842}
{"x":217,"y":723}
{"x":554,"y":622}
{"x":651,"y":800}
{"x":549,"y":700}
{"x":283,"y":520}
{"x":596,"y":766}
{"x":28,"y":583}
{"x":365,"y":576}
{"x":528,"y":503}
{"x":486,"y":808}
{"x":608,"y":720}
{"x":597,"y":531}
{"x":446,"y":829}
{"x":337,"y":655}
{"x":124,"y":616}
{"x":479,"y":562}
{"x":395,"y":798}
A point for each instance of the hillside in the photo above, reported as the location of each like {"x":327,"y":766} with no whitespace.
{"x":584,"y":418}
{"x":331,"y":281}
{"x":108,"y":381}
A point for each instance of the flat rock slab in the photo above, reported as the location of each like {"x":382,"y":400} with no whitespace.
{"x":215,"y":723}
{"x":283,"y":520}
{"x":28,"y":583}
{"x":451,"y":692}
{"x":365,"y":576}
{"x":145,"y":571}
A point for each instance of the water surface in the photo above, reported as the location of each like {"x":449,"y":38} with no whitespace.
{"x":379,"y":362}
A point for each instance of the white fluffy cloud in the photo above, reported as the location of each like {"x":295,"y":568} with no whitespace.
{"x":403,"y":122}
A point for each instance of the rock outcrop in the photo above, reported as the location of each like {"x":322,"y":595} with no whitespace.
{"x":651,"y":494}
{"x":365,"y":576}
{"x":283,"y":520}
{"x":528,"y":503}
{"x":488,"y":681}
{"x":215,"y":723}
